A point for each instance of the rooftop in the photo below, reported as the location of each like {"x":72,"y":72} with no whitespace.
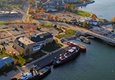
{"x":41,"y":37}
{"x":25,"y":40}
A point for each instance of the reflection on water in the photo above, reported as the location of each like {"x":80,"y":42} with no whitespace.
{"x":96,"y":64}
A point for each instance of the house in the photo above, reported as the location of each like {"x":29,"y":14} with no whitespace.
{"x":6,"y":60}
{"x":25,"y":46}
{"x":31,"y":45}
{"x":42,"y":38}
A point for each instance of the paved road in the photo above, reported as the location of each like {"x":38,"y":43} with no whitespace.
{"x":48,"y":58}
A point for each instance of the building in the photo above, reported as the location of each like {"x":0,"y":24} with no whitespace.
{"x":4,"y":61}
{"x":42,"y":38}
{"x":28,"y":46}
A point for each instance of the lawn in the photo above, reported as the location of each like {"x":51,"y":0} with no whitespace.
{"x":47,"y":25}
{"x":3,"y":23}
{"x":3,"y":55}
{"x":68,"y":33}
{"x":83,"y":13}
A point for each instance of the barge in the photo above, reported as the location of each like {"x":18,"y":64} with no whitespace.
{"x":69,"y":55}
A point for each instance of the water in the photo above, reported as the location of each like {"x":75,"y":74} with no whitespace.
{"x":97,"y":64}
{"x":102,"y":8}
{"x":99,"y":61}
{"x":10,"y":17}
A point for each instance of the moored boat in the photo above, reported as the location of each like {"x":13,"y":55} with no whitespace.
{"x":85,"y":40}
{"x":35,"y":74}
{"x":69,"y":55}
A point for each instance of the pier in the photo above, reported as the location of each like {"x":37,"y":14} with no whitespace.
{"x":106,"y":23}
{"x":96,"y":23}
{"x":101,"y":37}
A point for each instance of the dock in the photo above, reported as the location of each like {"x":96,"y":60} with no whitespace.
{"x":106,"y":23}
{"x":103,"y":38}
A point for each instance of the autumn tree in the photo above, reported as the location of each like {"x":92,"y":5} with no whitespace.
{"x":113,"y":19}
{"x":94,"y":17}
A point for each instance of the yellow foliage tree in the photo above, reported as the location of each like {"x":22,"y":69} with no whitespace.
{"x":94,"y":17}
{"x":113,"y":19}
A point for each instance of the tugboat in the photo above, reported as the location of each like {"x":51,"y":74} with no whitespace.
{"x":69,"y":55}
{"x":81,"y":47}
{"x":35,"y":74}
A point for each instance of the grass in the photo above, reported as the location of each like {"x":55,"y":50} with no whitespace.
{"x":52,"y":46}
{"x":47,"y":25}
{"x":83,"y":13}
{"x":3,"y":23}
{"x":3,"y":55}
{"x":68,"y":33}
{"x":21,"y":61}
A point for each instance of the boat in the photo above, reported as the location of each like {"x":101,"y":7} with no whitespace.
{"x":69,"y":55}
{"x":81,"y":46}
{"x":85,"y":40}
{"x":35,"y":74}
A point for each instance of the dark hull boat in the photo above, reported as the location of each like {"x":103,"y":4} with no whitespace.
{"x":69,"y":55}
{"x":35,"y":74}
{"x":41,"y":73}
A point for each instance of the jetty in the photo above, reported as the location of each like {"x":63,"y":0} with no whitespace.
{"x":96,"y":23}
{"x":106,"y":39}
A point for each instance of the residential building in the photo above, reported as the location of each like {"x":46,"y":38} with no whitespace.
{"x":31,"y":45}
{"x":6,"y":60}
{"x":42,"y":38}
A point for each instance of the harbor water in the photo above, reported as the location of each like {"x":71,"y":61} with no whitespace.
{"x":98,"y":63}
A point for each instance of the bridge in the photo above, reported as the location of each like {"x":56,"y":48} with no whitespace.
{"x":108,"y":40}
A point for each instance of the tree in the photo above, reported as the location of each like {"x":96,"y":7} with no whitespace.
{"x":113,"y":19}
{"x":56,"y":18}
{"x":94,"y":17}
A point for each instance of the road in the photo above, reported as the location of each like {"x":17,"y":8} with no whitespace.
{"x":48,"y":58}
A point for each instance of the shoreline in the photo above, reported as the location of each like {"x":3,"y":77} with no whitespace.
{"x":85,"y":4}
